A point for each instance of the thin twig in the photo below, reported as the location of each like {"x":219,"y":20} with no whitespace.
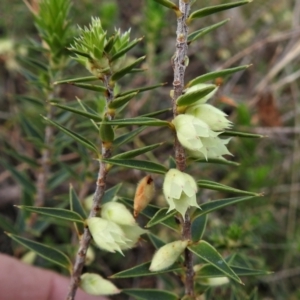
{"x":178,"y":62}
{"x":98,"y":195}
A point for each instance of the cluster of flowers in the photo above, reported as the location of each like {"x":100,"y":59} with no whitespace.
{"x":116,"y":230}
{"x":198,"y":132}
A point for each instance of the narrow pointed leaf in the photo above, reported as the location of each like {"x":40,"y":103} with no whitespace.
{"x":209,"y":271}
{"x":35,"y":63}
{"x":198,"y":227}
{"x":216,"y":74}
{"x":111,"y":193}
{"x":58,"y":213}
{"x":203,"y":31}
{"x":142,"y":89}
{"x":76,"y":207}
{"x":151,"y":210}
{"x":208,"y":207}
{"x":119,"y":74}
{"x":211,"y":185}
{"x":136,"y":152}
{"x":214,"y":9}
{"x":120,"y":101}
{"x":192,"y":97}
{"x":168,"y":4}
{"x":220,"y":161}
{"x":155,"y":240}
{"x":20,"y":177}
{"x":77,"y":80}
{"x":75,"y":204}
{"x":143,"y":270}
{"x":209,"y":254}
{"x":241,"y":134}
{"x":6,"y":224}
{"x":125,"y":49}
{"x":160,"y":216}
{"x":127,"y":137}
{"x":156,"y":113}
{"x":147,"y":166}
{"x":49,"y":253}
{"x":75,"y":136}
{"x":80,"y":53}
{"x":138,"y":121}
{"x":146,"y":294}
{"x":83,"y":113}
{"x":91,"y":87}
{"x":33,"y":100}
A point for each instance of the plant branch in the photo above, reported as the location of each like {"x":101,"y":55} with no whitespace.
{"x":98,"y":195}
{"x":179,"y":66}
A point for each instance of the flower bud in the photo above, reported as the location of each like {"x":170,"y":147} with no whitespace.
{"x":94,"y":284}
{"x":180,"y":191}
{"x":144,"y":194}
{"x":167,"y":255}
{"x":117,"y":213}
{"x":90,"y":256}
{"x":215,"y":281}
{"x":212,"y":116}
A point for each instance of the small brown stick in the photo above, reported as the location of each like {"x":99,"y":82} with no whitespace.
{"x":98,"y":195}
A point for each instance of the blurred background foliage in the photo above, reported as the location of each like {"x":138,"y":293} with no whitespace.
{"x":264,"y":99}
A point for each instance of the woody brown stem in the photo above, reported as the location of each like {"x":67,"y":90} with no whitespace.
{"x":178,"y":63}
{"x":98,"y":195}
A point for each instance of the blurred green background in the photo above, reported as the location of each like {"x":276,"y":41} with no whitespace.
{"x":265,"y":233}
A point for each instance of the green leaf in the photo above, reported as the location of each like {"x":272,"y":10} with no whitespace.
{"x":241,"y":134}
{"x":192,"y":97}
{"x":136,"y":152}
{"x":209,"y":254}
{"x":209,"y":271}
{"x":168,"y":4}
{"x":23,"y":158}
{"x":76,"y":207}
{"x":80,"y":53}
{"x":111,"y":193}
{"x":143,"y":270}
{"x":160,"y":216}
{"x":147,"y":166}
{"x":142,"y":89}
{"x":125,"y":49}
{"x":220,"y":161}
{"x":155,"y":240}
{"x":214,"y":9}
{"x":33,"y":100}
{"x":120,"y":101}
{"x":147,"y":294}
{"x":58,"y":213}
{"x":151,"y":210}
{"x":91,"y":87}
{"x":211,"y":185}
{"x":76,"y":80}
{"x":156,"y":113}
{"x":127,"y":137}
{"x":208,"y":207}
{"x":203,"y":31}
{"x":119,"y":74}
{"x":75,"y":136}
{"x":49,"y":253}
{"x":34,"y":63}
{"x":6,"y":224}
{"x":198,"y":227}
{"x":138,"y":121}
{"x":75,"y":204}
{"x":21,"y":178}
{"x":215,"y":74}
{"x":78,"y":112}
